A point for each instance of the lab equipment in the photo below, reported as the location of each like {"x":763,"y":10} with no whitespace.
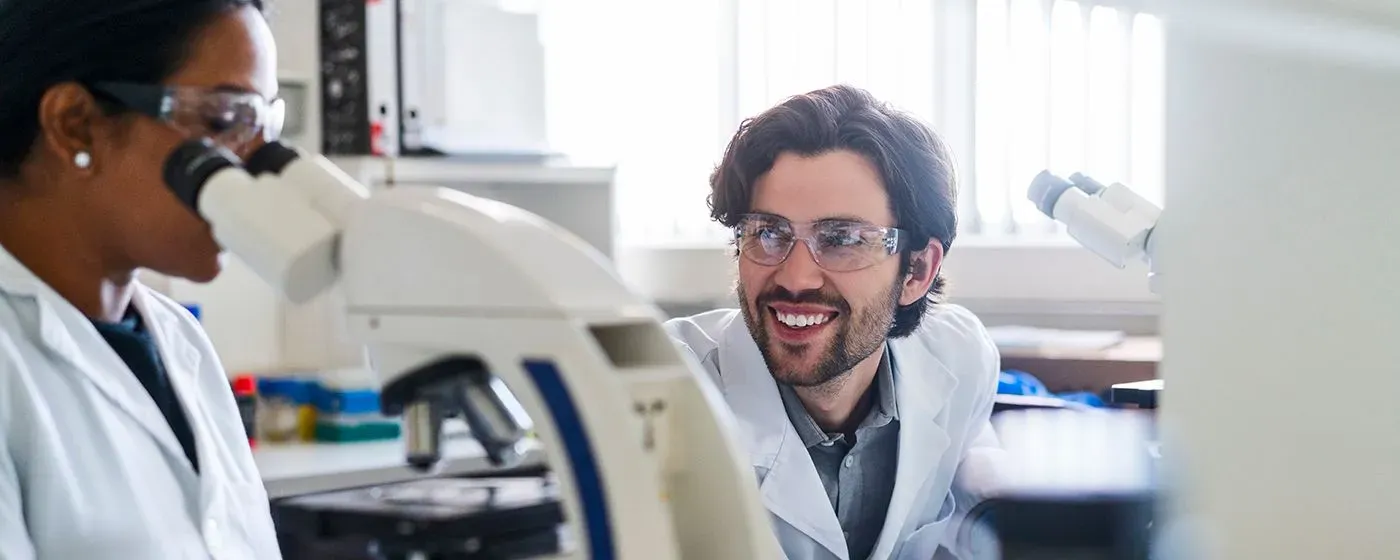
{"x":430,"y":519}
{"x":391,"y":88}
{"x":1078,"y":484}
{"x":285,"y":409}
{"x":1085,"y":485}
{"x":1141,"y":394}
{"x":1115,"y":223}
{"x":471,"y":306}
{"x":345,"y":414}
{"x":359,"y":88}
{"x":245,"y":395}
{"x":1112,"y":221}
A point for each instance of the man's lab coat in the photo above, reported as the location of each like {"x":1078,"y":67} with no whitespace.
{"x":945,"y":380}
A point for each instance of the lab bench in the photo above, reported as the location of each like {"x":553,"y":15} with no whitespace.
{"x":1132,"y":360}
{"x":293,"y":469}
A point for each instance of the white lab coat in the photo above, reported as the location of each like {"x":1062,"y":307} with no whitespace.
{"x":89,"y":467}
{"x":945,"y":377}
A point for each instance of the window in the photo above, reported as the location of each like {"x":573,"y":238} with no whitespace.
{"x":1074,"y":88}
{"x":1015,"y":86}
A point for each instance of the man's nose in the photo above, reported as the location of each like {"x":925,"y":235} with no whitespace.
{"x":799,"y":272}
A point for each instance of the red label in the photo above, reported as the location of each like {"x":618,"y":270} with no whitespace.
{"x":376,"y":138}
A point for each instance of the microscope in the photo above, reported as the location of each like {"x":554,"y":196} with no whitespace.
{"x":1083,"y":484}
{"x":471,"y":307}
{"x":1116,"y":224}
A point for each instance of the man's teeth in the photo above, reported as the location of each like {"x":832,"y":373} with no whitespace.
{"x":799,"y":321}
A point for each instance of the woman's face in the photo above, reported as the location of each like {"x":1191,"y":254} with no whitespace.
{"x":138,"y":216}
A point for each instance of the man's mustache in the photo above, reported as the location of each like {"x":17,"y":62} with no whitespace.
{"x":813,"y":297}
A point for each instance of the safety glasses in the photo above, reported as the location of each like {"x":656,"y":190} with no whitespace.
{"x":230,"y":118}
{"x":836,"y":245}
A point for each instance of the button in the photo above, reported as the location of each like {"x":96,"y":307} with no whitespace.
{"x":850,"y":461}
{"x":211,"y":534}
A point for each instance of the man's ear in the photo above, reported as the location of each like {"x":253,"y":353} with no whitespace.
{"x":68,"y":114}
{"x":923,"y":268}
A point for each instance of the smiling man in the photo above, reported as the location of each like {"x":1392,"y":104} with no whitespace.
{"x":864,"y":401}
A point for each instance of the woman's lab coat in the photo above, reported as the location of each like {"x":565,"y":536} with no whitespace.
{"x":89,"y":467}
{"x":945,"y":377}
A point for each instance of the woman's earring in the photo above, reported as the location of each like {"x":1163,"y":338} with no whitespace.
{"x":83,"y":160}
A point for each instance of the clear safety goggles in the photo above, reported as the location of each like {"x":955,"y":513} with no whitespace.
{"x":836,"y":245}
{"x":230,"y":118}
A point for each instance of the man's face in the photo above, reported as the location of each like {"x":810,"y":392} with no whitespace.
{"x":850,"y":313}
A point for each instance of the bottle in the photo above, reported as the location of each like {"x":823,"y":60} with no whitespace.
{"x":245,"y":393}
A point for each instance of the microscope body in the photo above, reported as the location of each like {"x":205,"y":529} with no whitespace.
{"x":530,"y":308}
{"x":470,"y":306}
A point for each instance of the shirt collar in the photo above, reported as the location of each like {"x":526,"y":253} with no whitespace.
{"x":886,"y":407}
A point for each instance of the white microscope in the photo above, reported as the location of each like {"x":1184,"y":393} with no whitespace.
{"x":1118,"y":225}
{"x":470,"y":306}
{"x":1112,"y":221}
{"x":1083,"y":484}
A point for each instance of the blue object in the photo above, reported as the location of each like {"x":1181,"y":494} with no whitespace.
{"x":580,"y":450}
{"x":337,"y":401}
{"x":298,"y":391}
{"x":1084,"y":398}
{"x":1015,"y":382}
{"x":193,"y":308}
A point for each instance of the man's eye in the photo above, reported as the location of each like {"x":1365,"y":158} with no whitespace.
{"x":769,"y":232}
{"x":218,"y":125}
{"x":841,"y":238}
{"x":845,"y":241}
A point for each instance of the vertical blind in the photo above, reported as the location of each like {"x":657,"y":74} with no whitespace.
{"x":1015,"y":86}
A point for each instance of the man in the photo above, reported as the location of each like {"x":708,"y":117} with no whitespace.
{"x":863,"y":400}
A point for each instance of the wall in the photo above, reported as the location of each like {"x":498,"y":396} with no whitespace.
{"x":241,"y":314}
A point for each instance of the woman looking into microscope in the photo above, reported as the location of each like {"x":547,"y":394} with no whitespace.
{"x":121,"y":435}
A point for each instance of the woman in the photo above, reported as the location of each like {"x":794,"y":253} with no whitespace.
{"x":121,"y":435}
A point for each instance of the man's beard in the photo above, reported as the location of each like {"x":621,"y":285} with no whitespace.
{"x":860,"y":334}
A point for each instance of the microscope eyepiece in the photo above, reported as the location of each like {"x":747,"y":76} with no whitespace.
{"x":190,"y":166}
{"x":272,"y":157}
{"x":1087,"y":183}
{"x":1045,"y":191}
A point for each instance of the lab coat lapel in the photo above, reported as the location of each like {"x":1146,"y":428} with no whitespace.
{"x":181,"y":361}
{"x":69,"y":336}
{"x":791,"y":488}
{"x":66,"y":333}
{"x":922,"y":384}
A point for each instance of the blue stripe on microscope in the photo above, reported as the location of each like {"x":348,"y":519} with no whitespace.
{"x":587,"y":479}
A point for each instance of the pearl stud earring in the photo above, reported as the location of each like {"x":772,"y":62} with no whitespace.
{"x":83,"y":160}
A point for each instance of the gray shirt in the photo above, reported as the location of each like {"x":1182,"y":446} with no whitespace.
{"x":858,"y":475}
